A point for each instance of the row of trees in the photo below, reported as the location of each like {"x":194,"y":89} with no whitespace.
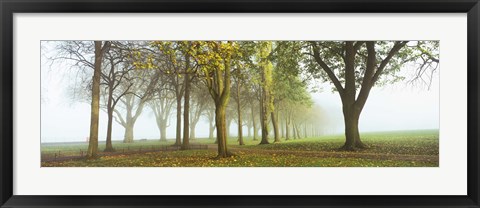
{"x":254,"y":83}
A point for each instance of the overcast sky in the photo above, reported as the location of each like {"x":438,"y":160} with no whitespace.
{"x":394,"y":107}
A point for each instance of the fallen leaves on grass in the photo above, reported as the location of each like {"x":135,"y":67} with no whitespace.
{"x":420,"y":149}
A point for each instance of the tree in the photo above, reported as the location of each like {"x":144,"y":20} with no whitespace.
{"x":172,"y":58}
{"x":115,"y":65}
{"x":254,"y":123}
{"x":255,"y":97}
{"x":288,"y":119}
{"x":276,"y":100}
{"x":210,"y":114}
{"x":239,"y":105}
{"x":176,"y":63}
{"x":116,"y":68}
{"x":241,"y":77}
{"x":289,"y":87}
{"x":186,"y":99}
{"x":179,"y":90}
{"x":357,"y":66}
{"x":100,"y":48}
{"x":215,"y":59}
{"x":133,"y":102}
{"x":265,"y":48}
{"x":161,"y":106}
{"x":86,"y":55}
{"x":201,"y":100}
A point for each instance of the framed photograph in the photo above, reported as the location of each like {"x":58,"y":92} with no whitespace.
{"x":212,"y":103}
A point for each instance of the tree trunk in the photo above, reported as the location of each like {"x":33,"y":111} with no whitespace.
{"x":162,"y":127}
{"x":192,"y":130}
{"x":349,"y":131}
{"x":287,"y":131}
{"x":178,"y":136}
{"x":222,"y":79}
{"x":282,"y":127}
{"x":352,"y":135}
{"x":161,"y":117}
{"x":216,"y":138}
{"x":294,"y":131}
{"x":266,"y":78}
{"x":210,"y":129}
{"x":95,"y":106}
{"x":229,"y":121}
{"x":298,"y":132}
{"x":130,"y":121}
{"x":275,"y":127}
{"x":220,"y":123}
{"x":240,"y":133}
{"x":186,"y":112}
{"x":264,"y":121}
{"x":254,"y":125}
{"x":108,"y":145}
{"x":350,"y":111}
{"x":128,"y":138}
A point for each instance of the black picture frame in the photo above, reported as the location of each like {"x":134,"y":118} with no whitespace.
{"x":10,"y":7}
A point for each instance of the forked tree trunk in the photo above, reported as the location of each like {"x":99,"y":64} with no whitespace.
{"x":161,"y":118}
{"x":130,"y":120}
{"x":350,"y":113}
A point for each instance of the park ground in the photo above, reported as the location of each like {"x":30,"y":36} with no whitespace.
{"x":419,"y":148}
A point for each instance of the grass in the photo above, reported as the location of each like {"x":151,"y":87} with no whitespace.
{"x":423,"y":142}
{"x":387,"y":149}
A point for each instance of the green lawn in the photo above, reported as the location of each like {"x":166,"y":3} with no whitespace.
{"x":386,"y":149}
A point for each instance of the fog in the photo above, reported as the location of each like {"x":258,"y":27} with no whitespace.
{"x":394,"y":107}
{"x":399,"y":106}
